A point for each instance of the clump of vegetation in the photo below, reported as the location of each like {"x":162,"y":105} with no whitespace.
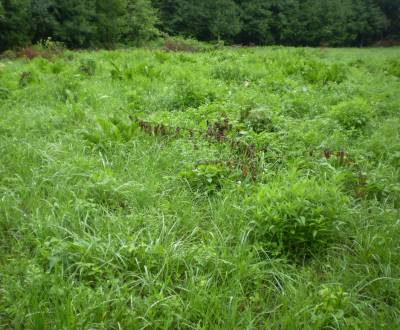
{"x":207,"y":178}
{"x":107,"y":130}
{"x":88,"y":67}
{"x":315,"y":72}
{"x":258,"y":119}
{"x":353,"y":115}
{"x":299,"y":216}
{"x":189,"y":95}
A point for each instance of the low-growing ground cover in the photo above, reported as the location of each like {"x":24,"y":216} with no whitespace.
{"x":237,"y":188}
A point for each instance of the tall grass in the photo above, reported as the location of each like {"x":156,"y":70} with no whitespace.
{"x":235,"y":188}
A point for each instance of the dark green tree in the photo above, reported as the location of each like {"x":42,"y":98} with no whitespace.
{"x":289,"y":22}
{"x":335,"y":17}
{"x":43,"y":21}
{"x":257,"y":22}
{"x":14,"y":23}
{"x":76,"y":22}
{"x":109,"y":21}
{"x":391,"y":9}
{"x":140,"y":21}
{"x":167,"y":13}
{"x":224,"y":22}
{"x":205,"y":20}
{"x":368,"y":22}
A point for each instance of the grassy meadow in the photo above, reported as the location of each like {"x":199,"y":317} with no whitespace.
{"x":239,"y":188}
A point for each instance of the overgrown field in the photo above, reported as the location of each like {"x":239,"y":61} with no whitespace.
{"x":227,"y":189}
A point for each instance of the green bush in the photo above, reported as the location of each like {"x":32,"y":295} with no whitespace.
{"x":320,"y":73}
{"x":353,"y":114}
{"x":314,"y":72}
{"x":188,"y":94}
{"x":207,"y":178}
{"x":298,"y":216}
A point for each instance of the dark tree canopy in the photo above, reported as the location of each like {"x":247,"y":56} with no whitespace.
{"x":105,"y":23}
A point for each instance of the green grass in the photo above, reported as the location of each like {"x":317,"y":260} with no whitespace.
{"x":287,"y":217}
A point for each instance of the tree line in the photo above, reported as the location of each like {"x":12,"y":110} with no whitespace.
{"x":105,"y":23}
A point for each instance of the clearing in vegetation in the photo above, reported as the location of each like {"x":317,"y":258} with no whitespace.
{"x":245,"y":188}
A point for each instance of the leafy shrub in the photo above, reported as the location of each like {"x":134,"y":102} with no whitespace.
{"x":315,"y":72}
{"x":353,"y":114}
{"x":321,"y":73}
{"x":190,"y":95}
{"x":299,"y":216}
{"x":207,"y":178}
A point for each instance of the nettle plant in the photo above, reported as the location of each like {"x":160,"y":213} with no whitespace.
{"x":297,"y":216}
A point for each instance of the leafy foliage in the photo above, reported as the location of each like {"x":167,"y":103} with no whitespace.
{"x":353,"y":114}
{"x":297,"y":215}
{"x":206,"y":178}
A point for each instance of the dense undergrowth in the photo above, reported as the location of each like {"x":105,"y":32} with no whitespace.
{"x":236,"y":188}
